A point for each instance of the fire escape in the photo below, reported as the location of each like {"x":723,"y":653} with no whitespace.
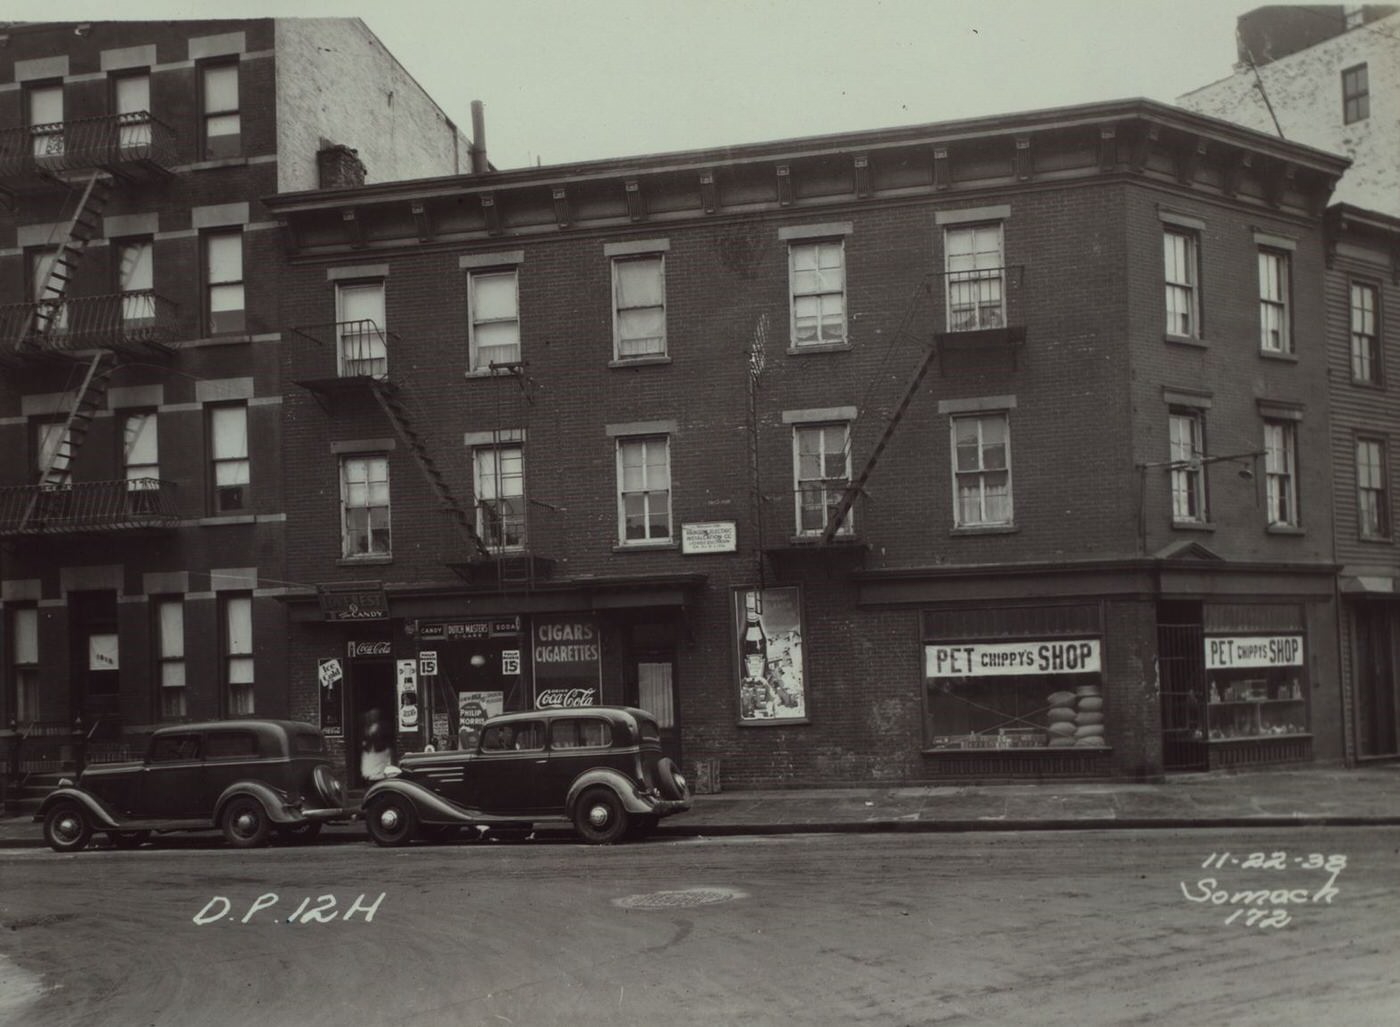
{"x":86,"y":162}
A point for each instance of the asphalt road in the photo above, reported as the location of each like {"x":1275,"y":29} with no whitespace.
{"x":1044,"y":928}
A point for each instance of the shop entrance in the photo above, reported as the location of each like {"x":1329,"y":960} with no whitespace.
{"x":1376,"y":708}
{"x":373,"y":717}
{"x":1181,"y":673}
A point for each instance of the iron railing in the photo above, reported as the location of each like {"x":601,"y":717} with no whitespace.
{"x":87,"y":507}
{"x":110,"y":141}
{"x":138,"y":320}
{"x":361,"y":347}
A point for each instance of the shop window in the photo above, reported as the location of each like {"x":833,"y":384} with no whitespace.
{"x":1255,"y":687}
{"x":170,"y":654}
{"x":228,"y":456}
{"x":1365,"y":340}
{"x":1015,"y":695}
{"x":982,"y":470}
{"x":364,"y":491}
{"x":1188,"y":478}
{"x":1372,"y":490}
{"x":822,"y":469}
{"x":1356,"y":94}
{"x":644,"y":489}
{"x":1281,"y":473}
{"x":639,"y":306}
{"x":494,"y":299}
{"x":238,"y":654}
{"x":1180,"y":260}
{"x":975,"y":268}
{"x":499,"y":482}
{"x":1275,"y":330}
{"x":817,"y":279}
{"x":24,"y":655}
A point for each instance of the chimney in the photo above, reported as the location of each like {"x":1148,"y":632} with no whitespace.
{"x":339,"y":167}
{"x":478,"y":147}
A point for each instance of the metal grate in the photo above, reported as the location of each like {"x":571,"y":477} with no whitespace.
{"x":1182,"y":674}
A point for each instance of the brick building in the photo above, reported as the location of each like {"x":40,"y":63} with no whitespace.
{"x":142,"y":534}
{"x":994,"y":448}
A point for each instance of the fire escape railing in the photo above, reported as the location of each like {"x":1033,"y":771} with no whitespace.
{"x":87,"y":507}
{"x":106,"y":141}
{"x":361,"y":347}
{"x":139,"y":319}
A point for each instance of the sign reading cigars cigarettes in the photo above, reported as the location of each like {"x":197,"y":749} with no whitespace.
{"x":565,"y":653}
{"x":1065,"y":656}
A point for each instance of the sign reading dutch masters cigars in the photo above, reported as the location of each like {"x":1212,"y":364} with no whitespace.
{"x":1076,"y":656}
{"x":1247,"y":651}
{"x":566,"y":660}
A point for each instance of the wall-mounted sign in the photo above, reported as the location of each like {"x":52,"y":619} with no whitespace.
{"x":459,"y":630}
{"x":354,"y":601}
{"x":709,"y":537}
{"x":407,"y":678}
{"x":772,"y":678}
{"x":330,"y":675}
{"x":354,"y":649}
{"x":1224,"y":652}
{"x":1000,"y":659}
{"x":427,"y":662}
{"x":566,"y":659}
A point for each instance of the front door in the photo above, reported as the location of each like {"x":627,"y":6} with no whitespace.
{"x":96,"y":662}
{"x":1376,"y":707}
{"x":656,"y":693}
{"x":370,"y":734}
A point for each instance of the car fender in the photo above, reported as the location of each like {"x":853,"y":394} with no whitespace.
{"x":620,"y":784}
{"x":274,"y":803}
{"x":101,"y":815}
{"x":428,"y":805}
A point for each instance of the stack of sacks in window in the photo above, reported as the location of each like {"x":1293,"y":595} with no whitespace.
{"x":1076,"y":718}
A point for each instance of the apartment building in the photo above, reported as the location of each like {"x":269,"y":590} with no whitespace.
{"x":986,"y":449}
{"x":142,"y":514}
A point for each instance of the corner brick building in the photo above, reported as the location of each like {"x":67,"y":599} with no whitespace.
{"x":142,"y":522}
{"x":985,"y":449}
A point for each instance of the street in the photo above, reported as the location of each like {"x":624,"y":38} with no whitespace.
{"x":1272,"y":926}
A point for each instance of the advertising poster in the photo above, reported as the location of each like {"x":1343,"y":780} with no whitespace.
{"x":568,"y":671}
{"x":472,"y":710}
{"x":331,"y":677}
{"x":768,"y":634}
{"x":408,"y":694}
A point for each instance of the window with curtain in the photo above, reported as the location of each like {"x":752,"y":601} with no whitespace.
{"x":223,"y":281}
{"x":44,"y":105}
{"x":228,"y":431}
{"x":1182,"y":296}
{"x":222,"y":122}
{"x":654,"y":692}
{"x":822,"y":470}
{"x":1280,"y":473}
{"x":136,"y":280}
{"x":499,"y":474}
{"x":364,"y":483}
{"x":360,"y":329}
{"x":24,"y":654}
{"x":1274,"y":328}
{"x":1187,"y":443}
{"x":974,"y":267}
{"x":1372,"y":490}
{"x":170,"y":655}
{"x":132,"y":99}
{"x":644,"y":489}
{"x":817,"y":271}
{"x":238,"y":654}
{"x":982,"y":470}
{"x":141,"y":453}
{"x":495,"y":318}
{"x":639,"y":306}
{"x":1365,"y":343}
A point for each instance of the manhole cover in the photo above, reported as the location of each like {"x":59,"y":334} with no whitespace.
{"x":680,"y":899}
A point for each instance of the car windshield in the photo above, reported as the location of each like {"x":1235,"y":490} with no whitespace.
{"x":307,"y":743}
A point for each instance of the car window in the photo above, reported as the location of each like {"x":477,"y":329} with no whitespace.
{"x":649,"y":731}
{"x":305,"y":743}
{"x":222,"y":745}
{"x":529,"y":736}
{"x":174,"y":748}
{"x":580,"y":734}
{"x":498,"y":737}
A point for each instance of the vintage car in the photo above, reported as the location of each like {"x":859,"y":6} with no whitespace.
{"x":599,"y":768}
{"x":247,"y":778}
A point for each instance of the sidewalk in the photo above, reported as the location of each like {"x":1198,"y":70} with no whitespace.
{"x":1265,"y":798}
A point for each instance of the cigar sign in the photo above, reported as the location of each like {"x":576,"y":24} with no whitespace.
{"x":565,"y":651}
{"x":1063,"y":656}
{"x":1251,"y":651}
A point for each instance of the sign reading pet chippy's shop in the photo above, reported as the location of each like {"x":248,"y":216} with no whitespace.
{"x":565,"y":653}
{"x":1062,"y":656}
{"x":1248,"y":651}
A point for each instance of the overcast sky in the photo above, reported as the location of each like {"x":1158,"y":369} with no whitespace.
{"x":571,"y":80}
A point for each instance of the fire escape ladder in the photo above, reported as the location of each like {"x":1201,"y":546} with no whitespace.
{"x":398,"y":417}
{"x":91,"y":396}
{"x":857,"y":486}
{"x":80,"y":230}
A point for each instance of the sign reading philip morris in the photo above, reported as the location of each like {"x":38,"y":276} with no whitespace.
{"x":1062,"y":656}
{"x":565,"y":650}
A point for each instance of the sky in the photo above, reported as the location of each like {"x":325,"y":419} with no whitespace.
{"x":575,"y":80}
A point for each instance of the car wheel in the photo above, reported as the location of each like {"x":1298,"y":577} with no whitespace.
{"x":599,"y":817}
{"x":66,"y":828}
{"x":128,"y":839}
{"x":245,"y":823}
{"x":304,"y":833}
{"x":391,"y":821}
{"x":669,"y":779}
{"x":438,"y":832}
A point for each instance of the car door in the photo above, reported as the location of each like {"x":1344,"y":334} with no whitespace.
{"x":576,"y":745}
{"x":170,"y":786}
{"x":507,"y":778}
{"x":230,"y":756}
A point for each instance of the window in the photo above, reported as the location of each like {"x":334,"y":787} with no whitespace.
{"x":818,"y":275}
{"x":53,"y":447}
{"x":364,"y":491}
{"x":228,"y":448}
{"x":1183,"y":300}
{"x":974,"y":266}
{"x":580,"y":734}
{"x":170,"y":654}
{"x":639,"y":306}
{"x":644,"y":488}
{"x":1274,"y":334}
{"x":1281,"y":472}
{"x":223,"y":281}
{"x":131,"y":101}
{"x":52,"y":315}
{"x":495,"y":319}
{"x":1356,"y":95}
{"x":44,"y":104}
{"x":1187,"y":440}
{"x":238,"y":653}
{"x":174,"y":749}
{"x":982,"y":470}
{"x":225,"y":745}
{"x":24,"y":652}
{"x":141,"y":459}
{"x":136,"y":281}
{"x":222,"y":124}
{"x":1372,"y":500}
{"x":359,"y":315}
{"x":499,"y":476}
{"x":1365,"y":343}
{"x":822,"y":470}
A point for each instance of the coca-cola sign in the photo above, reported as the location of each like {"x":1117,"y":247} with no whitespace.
{"x":566,"y":698}
{"x":355,"y":649}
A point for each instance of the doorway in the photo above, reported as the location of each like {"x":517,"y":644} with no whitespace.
{"x":1181,"y":672}
{"x":95,"y":661}
{"x":373,"y":716}
{"x":1377,"y":731}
